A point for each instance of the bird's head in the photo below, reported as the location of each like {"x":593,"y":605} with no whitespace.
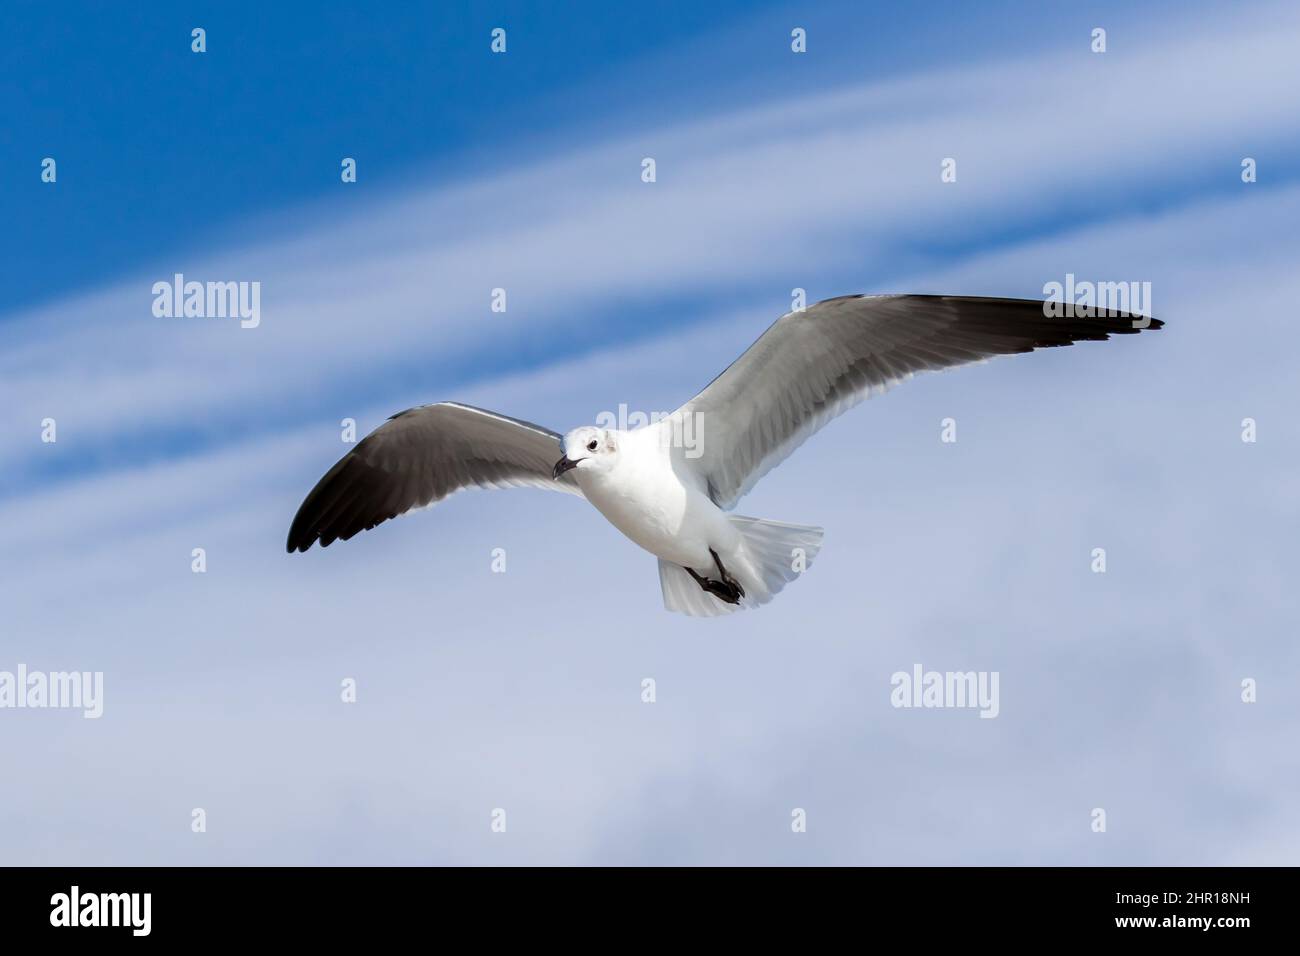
{"x":594,"y":449}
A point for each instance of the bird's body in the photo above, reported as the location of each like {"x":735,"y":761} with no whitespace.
{"x":646,"y":499}
{"x":661,"y":507}
{"x":672,"y":499}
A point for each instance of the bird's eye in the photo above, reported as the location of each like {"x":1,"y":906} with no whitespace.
{"x":591,"y":445}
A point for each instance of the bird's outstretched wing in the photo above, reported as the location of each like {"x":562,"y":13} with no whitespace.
{"x":813,"y":365}
{"x":420,"y":456}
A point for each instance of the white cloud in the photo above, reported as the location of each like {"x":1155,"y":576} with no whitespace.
{"x":838,"y":187}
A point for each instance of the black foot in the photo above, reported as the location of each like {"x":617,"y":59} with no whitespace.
{"x":727,"y":590}
{"x":727,"y":579}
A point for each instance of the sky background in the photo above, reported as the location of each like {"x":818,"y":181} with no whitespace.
{"x":522,"y":690}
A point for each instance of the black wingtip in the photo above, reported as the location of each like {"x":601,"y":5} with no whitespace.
{"x":301,"y":537}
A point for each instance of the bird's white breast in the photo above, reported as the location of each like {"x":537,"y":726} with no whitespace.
{"x":654,"y":506}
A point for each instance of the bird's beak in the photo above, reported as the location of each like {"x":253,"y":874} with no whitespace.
{"x":563,"y":465}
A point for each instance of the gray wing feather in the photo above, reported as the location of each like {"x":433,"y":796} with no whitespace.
{"x":813,"y":365}
{"x":419,"y":457}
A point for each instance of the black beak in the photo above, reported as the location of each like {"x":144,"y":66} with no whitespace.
{"x":563,"y":465}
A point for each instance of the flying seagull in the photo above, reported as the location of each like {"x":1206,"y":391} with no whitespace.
{"x":672,"y":497}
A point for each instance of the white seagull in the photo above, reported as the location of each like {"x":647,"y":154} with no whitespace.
{"x":671,"y":496}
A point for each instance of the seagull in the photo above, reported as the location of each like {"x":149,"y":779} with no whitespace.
{"x":670,"y":495}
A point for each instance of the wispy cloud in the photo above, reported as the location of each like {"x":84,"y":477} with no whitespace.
{"x":828,"y":191}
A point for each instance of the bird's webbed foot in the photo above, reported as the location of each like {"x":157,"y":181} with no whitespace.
{"x":727,"y":589}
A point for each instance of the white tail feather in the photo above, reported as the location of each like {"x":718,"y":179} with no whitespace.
{"x":772,"y":554}
{"x":681,"y":593}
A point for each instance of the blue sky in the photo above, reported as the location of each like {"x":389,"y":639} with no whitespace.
{"x":163,"y":150}
{"x":775,"y":171}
